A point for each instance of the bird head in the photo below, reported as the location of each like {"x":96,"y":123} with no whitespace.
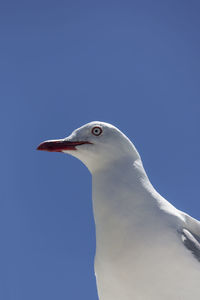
{"x":96,"y":144}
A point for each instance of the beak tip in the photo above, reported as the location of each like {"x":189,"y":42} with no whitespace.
{"x":44,"y":146}
{"x":49,"y":146}
{"x":39,"y":147}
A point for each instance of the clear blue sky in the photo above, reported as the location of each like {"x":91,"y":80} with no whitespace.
{"x":135,"y":64}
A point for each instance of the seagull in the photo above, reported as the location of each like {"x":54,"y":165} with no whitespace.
{"x":146,"y":249}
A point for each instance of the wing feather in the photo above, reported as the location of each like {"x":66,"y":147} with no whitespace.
{"x":191,"y":242}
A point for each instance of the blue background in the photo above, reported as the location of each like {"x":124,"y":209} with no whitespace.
{"x":64,"y":63}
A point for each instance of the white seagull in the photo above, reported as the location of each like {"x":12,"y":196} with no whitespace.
{"x":146,"y":249}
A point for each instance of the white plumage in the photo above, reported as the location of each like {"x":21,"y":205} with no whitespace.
{"x":146,"y":248}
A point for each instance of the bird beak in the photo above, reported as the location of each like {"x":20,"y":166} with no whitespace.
{"x":60,"y":145}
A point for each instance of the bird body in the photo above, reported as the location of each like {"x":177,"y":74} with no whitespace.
{"x":140,"y":253}
{"x":146,"y":249}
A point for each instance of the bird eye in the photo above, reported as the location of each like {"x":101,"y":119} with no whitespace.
{"x":96,"y":130}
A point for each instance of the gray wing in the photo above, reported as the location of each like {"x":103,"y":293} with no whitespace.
{"x":191,"y":242}
{"x":190,"y":235}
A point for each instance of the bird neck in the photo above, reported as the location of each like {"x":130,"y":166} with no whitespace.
{"x":120,"y":189}
{"x":122,"y":198}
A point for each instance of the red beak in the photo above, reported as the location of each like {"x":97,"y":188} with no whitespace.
{"x":60,"y":145}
